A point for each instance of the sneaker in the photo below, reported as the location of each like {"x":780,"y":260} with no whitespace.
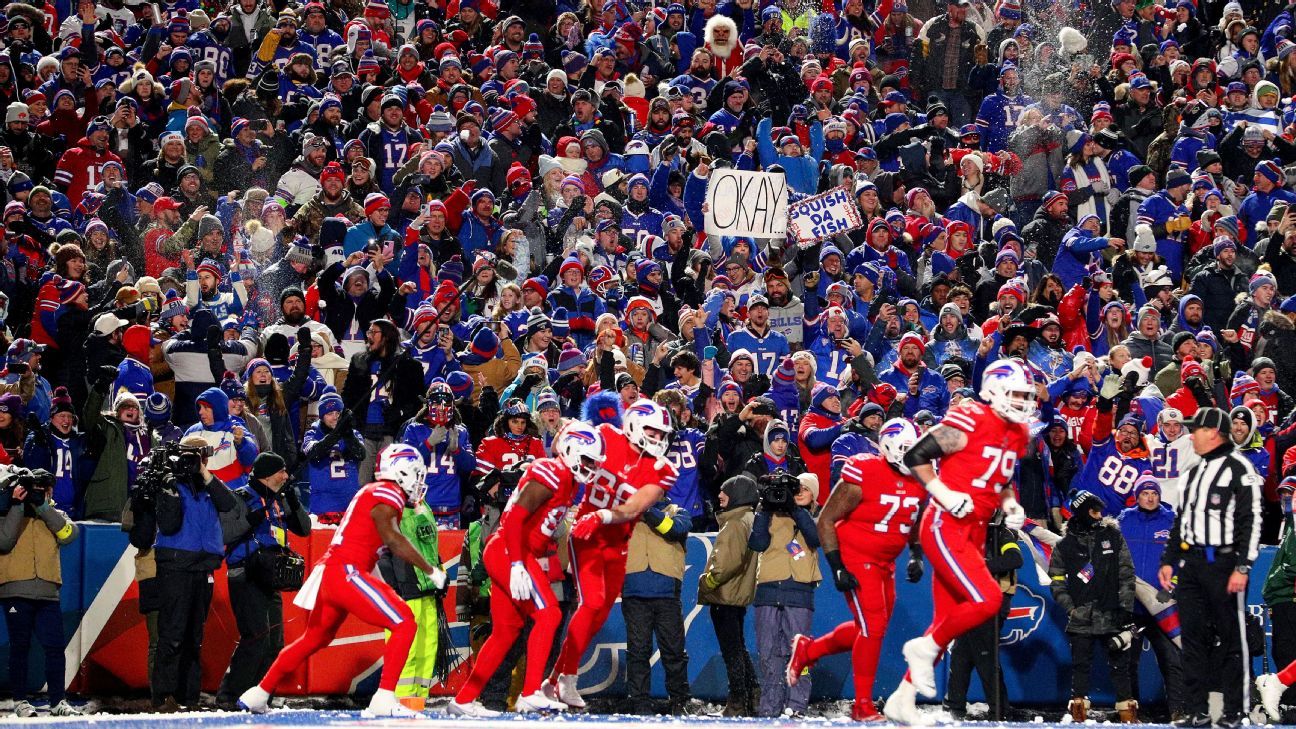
{"x":567,"y":692}
{"x":384,"y":704}
{"x":65,"y":709}
{"x":472,"y":710}
{"x":24,"y":710}
{"x":1271,"y":691}
{"x":921,"y":654}
{"x":865,"y":711}
{"x":537,"y":702}
{"x":901,"y":708}
{"x":255,"y":700}
{"x":799,"y":661}
{"x":1192,"y":721}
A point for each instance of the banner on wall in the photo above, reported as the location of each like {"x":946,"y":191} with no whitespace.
{"x":107,"y":642}
{"x":823,"y":216}
{"x":746,"y":203}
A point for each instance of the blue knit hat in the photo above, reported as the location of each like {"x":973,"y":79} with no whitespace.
{"x":157,"y":408}
{"x":460,"y":383}
{"x":330,"y":403}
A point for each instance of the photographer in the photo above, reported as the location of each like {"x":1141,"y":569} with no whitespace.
{"x":31,"y":532}
{"x":786,"y":538}
{"x":189,"y":547}
{"x":650,"y":602}
{"x":1093,"y":582}
{"x":728,"y":586}
{"x":256,"y":533}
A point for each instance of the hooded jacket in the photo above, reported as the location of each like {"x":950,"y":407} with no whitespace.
{"x":230,"y":462}
{"x":730,"y":574}
{"x":1096,"y":605}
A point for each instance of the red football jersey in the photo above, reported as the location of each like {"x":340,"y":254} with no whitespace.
{"x":878,"y":528}
{"x":537,"y":529}
{"x":496,"y":452}
{"x":624,"y":471}
{"x":987,"y":463}
{"x":357,"y":542}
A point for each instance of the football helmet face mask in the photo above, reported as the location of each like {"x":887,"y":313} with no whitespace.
{"x":580,"y":447}
{"x":1009,"y":389}
{"x":403,"y":465}
{"x":648,"y":427}
{"x":895,"y":439}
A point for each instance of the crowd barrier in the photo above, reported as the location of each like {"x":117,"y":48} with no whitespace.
{"x":107,"y":641}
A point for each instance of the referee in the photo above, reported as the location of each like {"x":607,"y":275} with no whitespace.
{"x":1215,"y":539}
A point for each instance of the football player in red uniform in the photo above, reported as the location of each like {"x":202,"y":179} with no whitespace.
{"x":977,"y":446}
{"x":633,"y":476}
{"x":868,"y":520}
{"x":340,"y":584}
{"x":519,"y":582}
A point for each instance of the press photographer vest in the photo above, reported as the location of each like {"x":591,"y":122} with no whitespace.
{"x":649,"y":551}
{"x":35,"y":556}
{"x":779,"y":563}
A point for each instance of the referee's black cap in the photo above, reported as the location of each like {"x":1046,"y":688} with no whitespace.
{"x":1210,"y":418}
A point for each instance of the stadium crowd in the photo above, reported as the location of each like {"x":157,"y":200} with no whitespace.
{"x":303,"y":232}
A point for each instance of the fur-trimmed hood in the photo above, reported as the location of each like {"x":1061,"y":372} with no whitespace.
{"x":1278,"y":320}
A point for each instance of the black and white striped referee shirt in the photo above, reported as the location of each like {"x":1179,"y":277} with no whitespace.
{"x":1220,"y":506}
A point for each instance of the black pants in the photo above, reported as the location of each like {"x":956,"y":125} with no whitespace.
{"x":729,"y":622}
{"x":1208,"y":613}
{"x":979,"y":648}
{"x":258,"y":613}
{"x":43,"y":620}
{"x":1282,"y":618}
{"x":185,"y":599}
{"x":1118,"y":665}
{"x":1168,"y":657}
{"x":644,"y":618}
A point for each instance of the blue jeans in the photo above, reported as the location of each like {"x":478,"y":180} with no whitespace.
{"x":957,"y":103}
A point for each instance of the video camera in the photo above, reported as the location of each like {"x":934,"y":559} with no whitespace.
{"x":168,"y":463}
{"x":507,"y":479}
{"x":778,"y":491}
{"x":37,"y":483}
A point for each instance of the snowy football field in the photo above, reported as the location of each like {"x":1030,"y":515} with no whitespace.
{"x":437,"y":719}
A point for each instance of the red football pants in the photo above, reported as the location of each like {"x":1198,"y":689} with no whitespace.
{"x":964,"y":593}
{"x":600,"y":572}
{"x":345,"y":591}
{"x":507,"y":619}
{"x":871,"y":604}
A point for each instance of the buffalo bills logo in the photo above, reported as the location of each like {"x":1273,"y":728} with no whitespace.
{"x":1008,"y":370}
{"x":893,"y":429}
{"x":1024,"y":617}
{"x":581,"y":437}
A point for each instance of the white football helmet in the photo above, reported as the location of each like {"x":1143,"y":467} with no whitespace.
{"x":1009,"y":389}
{"x":648,"y":426}
{"x":895,"y":439}
{"x":576,"y":442}
{"x":402,"y":464}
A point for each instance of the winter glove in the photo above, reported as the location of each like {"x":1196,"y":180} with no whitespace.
{"x":1110,"y":386}
{"x":914,"y":570}
{"x":843,"y":580}
{"x":669,"y":147}
{"x":213,"y":337}
{"x":303,"y":342}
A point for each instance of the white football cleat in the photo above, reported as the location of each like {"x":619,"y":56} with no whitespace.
{"x":901,"y":707}
{"x":537,"y":702}
{"x":472,"y":710}
{"x":567,"y":692}
{"x":921,"y":654}
{"x":255,"y":700}
{"x":1271,"y":691}
{"x":385,"y":705}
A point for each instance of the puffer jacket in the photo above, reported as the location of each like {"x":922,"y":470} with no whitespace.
{"x":1278,"y":343}
{"x":1041,"y":153}
{"x":1102,"y":602}
{"x":1140,"y":346}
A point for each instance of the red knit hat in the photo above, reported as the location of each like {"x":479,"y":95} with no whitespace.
{"x":374,"y":202}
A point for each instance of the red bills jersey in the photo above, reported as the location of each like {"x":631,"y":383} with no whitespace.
{"x":496,"y":452}
{"x":878,"y":528}
{"x":624,"y":471}
{"x":357,"y":542}
{"x":988,"y":461}
{"x":536,"y":530}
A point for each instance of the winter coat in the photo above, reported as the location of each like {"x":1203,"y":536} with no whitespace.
{"x":1146,"y":534}
{"x":1044,"y":233}
{"x":1280,"y":583}
{"x":1041,"y":154}
{"x":1218,"y":289}
{"x":1140,"y":346}
{"x":1102,"y":603}
{"x":1278,"y":343}
{"x":731,"y":566}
